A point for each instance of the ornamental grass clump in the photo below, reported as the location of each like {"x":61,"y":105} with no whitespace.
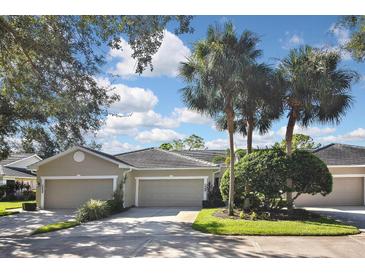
{"x":93,"y":210}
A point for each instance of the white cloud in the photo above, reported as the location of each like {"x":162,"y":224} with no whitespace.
{"x":291,"y":40}
{"x":139,"y":119}
{"x":355,"y":135}
{"x":311,"y":131}
{"x":158,"y":135}
{"x":132,"y":99}
{"x":342,"y":34}
{"x":184,"y":115}
{"x":165,"y":61}
{"x":115,"y":147}
{"x":241,"y":142}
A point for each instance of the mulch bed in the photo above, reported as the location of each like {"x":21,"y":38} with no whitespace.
{"x":273,"y":215}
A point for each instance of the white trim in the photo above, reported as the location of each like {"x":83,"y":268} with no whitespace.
{"x":24,"y":159}
{"x":44,"y":178}
{"x":347,"y":175}
{"x":363,"y":182}
{"x":36,"y":165}
{"x":171,"y":177}
{"x":176,"y":168}
{"x":136,"y":193}
{"x":334,"y":166}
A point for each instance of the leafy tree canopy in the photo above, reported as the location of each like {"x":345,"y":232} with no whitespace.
{"x":262,"y":174}
{"x":309,"y":173}
{"x":192,"y":142}
{"x":48,"y":69}
{"x":166,"y":146}
{"x":356,"y":44}
{"x":300,"y":141}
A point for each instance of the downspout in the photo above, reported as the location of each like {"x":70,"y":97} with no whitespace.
{"x":125,"y":177}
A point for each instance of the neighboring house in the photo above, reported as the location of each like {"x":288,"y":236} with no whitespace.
{"x":15,"y":168}
{"x":156,"y":177}
{"x":347,"y":166}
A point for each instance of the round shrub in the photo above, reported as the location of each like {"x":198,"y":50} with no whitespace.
{"x":263,"y":174}
{"x":309,"y":173}
{"x":93,"y":210}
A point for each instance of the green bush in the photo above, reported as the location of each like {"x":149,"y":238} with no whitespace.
{"x":242,"y":215}
{"x":309,"y":173}
{"x":253,"y":216}
{"x":262,"y":174}
{"x":93,"y":210}
{"x":29,"y":206}
{"x":115,"y":206}
{"x":218,"y":159}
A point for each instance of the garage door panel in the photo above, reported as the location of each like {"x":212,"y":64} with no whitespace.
{"x":73,"y":193}
{"x":345,"y":191}
{"x":184,"y":192}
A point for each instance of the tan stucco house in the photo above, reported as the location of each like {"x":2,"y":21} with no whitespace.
{"x":156,"y":177}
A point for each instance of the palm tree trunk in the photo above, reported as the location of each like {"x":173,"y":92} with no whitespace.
{"x":249,"y":134}
{"x":230,"y":126}
{"x":288,"y":139}
{"x":250,"y":126}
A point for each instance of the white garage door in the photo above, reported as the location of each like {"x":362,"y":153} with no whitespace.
{"x":167,"y":192}
{"x":345,"y":191}
{"x":73,"y":193}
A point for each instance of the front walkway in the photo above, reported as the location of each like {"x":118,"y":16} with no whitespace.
{"x":167,"y":232}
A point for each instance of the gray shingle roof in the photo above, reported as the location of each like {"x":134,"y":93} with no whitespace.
{"x":112,"y":157}
{"x":14,"y":171}
{"x":205,"y":155}
{"x":15,"y":157}
{"x":340,"y":154}
{"x":158,"y":158}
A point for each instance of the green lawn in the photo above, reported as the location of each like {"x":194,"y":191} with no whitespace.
{"x":7,"y":213}
{"x":208,"y":223}
{"x":55,"y":227}
{"x":9,"y":205}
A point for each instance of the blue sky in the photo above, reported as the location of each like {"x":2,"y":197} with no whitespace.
{"x":153,"y":99}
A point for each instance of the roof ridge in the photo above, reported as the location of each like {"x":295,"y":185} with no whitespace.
{"x":104,"y":154}
{"x":186,"y":157}
{"x":357,"y":146}
{"x":323,"y":147}
{"x":133,"y":151}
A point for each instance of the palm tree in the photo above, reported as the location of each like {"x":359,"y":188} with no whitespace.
{"x":317,"y":90}
{"x":258,"y":103}
{"x":213,"y":75}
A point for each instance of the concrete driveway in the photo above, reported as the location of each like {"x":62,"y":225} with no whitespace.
{"x":22,"y":224}
{"x":167,"y":232}
{"x":353,"y":215}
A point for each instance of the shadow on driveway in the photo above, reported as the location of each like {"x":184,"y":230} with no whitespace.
{"x":352,"y":215}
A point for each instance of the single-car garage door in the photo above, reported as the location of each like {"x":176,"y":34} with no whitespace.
{"x":345,"y":191}
{"x":167,"y":192}
{"x":72,"y":193}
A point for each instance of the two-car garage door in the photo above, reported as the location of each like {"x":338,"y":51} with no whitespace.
{"x":346,"y":191}
{"x":170,"y":192}
{"x":71,"y":193}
